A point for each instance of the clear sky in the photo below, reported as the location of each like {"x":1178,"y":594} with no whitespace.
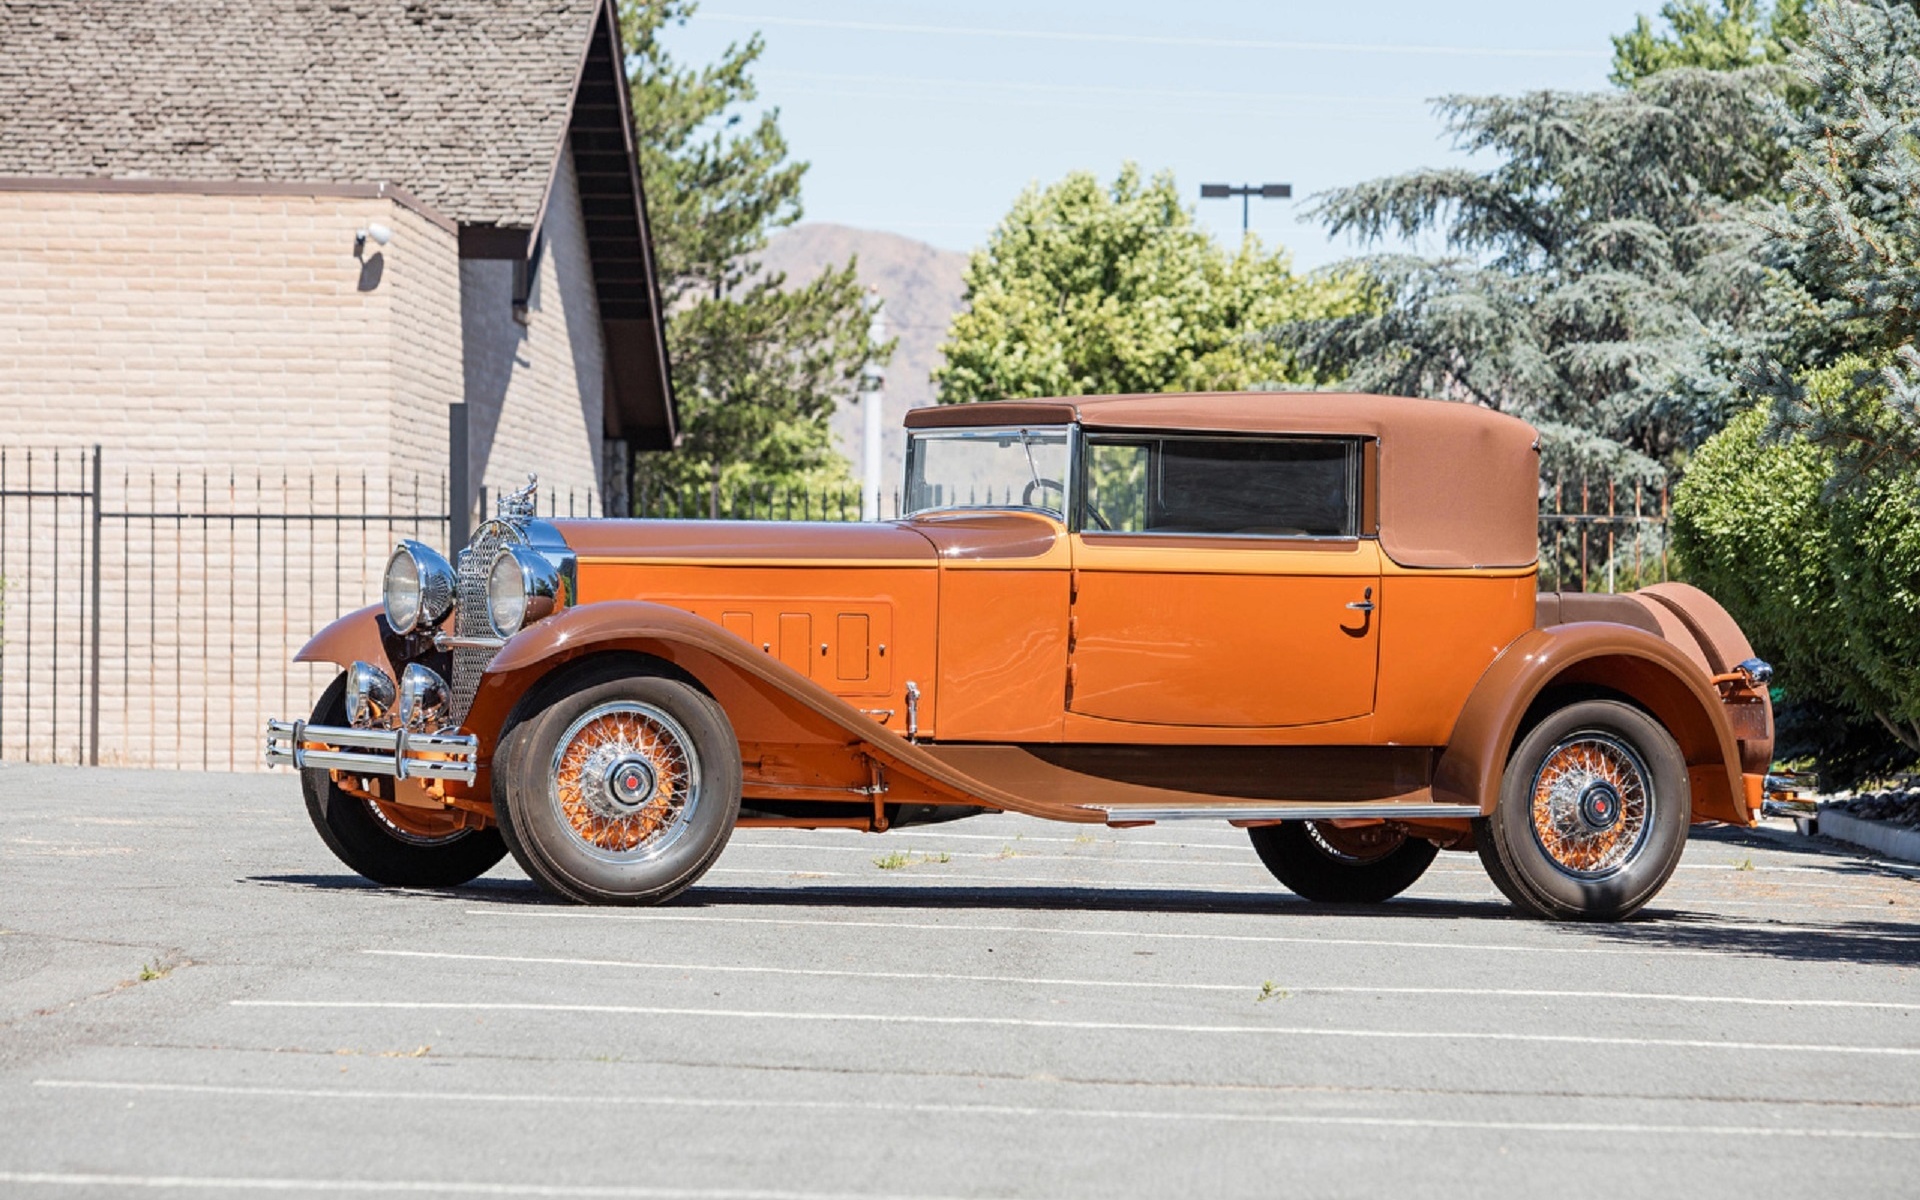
{"x":927,"y":118}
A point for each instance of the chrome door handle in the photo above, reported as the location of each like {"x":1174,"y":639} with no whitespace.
{"x":1361,"y":605}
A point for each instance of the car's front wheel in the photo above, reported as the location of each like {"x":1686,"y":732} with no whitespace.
{"x":393,"y":844}
{"x":1361,"y":865}
{"x":622,"y":791}
{"x":1592,"y":816}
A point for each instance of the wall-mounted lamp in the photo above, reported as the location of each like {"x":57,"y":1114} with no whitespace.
{"x":380,"y":235}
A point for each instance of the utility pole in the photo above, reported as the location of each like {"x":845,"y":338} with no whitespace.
{"x":1266,"y":191}
{"x":873,"y":378}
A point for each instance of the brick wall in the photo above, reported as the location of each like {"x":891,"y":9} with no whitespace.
{"x":194,"y":330}
{"x":232,"y":354}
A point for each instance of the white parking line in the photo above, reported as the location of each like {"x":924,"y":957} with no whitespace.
{"x":742,"y":1014}
{"x":1146,"y":985}
{"x":260,"y":1183}
{"x":362,"y":1095}
{"x":568,"y":914}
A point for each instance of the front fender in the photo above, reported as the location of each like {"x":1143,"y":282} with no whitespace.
{"x":1619,"y":658}
{"x":767,"y":700}
{"x":358,"y":635}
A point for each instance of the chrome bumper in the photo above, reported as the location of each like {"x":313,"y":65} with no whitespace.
{"x":393,"y":752}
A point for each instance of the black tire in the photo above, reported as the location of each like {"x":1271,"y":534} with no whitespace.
{"x":590,"y":845}
{"x":1307,"y":861}
{"x":374,"y":847}
{"x":1616,"y":820}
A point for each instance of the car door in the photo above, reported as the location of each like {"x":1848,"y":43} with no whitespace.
{"x":1223,"y":581}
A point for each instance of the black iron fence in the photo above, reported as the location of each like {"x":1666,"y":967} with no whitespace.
{"x":1603,"y":535}
{"x":758,"y":502}
{"x":149,"y":618}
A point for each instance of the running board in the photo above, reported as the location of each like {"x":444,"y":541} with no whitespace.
{"x":1128,"y":814}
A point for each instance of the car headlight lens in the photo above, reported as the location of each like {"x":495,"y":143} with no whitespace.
{"x":419,"y":587}
{"x":522,"y":587}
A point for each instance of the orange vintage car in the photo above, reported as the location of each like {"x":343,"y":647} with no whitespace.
{"x":1312,"y":616}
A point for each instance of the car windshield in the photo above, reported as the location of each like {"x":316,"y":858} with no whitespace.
{"x":988,"y":468}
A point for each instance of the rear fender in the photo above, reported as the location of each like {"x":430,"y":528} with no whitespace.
{"x":1595,"y":655}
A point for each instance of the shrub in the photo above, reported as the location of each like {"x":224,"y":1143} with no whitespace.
{"x":1827,"y":587}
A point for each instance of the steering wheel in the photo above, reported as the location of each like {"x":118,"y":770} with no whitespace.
{"x":1099,"y":518}
{"x":1026,"y":496}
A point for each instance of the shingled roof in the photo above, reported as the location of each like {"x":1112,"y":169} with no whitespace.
{"x":462,"y":102}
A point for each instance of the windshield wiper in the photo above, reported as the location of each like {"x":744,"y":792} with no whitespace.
{"x":1031,"y":469}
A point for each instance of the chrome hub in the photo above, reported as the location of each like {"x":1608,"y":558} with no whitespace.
{"x":1600,"y":805}
{"x":630,"y":783}
{"x":616,"y":783}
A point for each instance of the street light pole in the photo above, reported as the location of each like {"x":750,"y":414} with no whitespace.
{"x":1246,"y":191}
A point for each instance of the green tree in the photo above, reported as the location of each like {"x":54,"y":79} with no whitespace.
{"x":1723,"y":37}
{"x":758,"y":362}
{"x":1085,"y":289}
{"x":1602,"y":271}
{"x":1845,"y":245}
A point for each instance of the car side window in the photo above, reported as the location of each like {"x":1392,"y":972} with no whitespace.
{"x":1291,"y":487}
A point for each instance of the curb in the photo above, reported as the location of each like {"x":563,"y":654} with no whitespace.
{"x":1894,"y":841}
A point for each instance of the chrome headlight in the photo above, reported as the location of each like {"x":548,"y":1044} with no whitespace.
{"x":522,"y":587}
{"x":419,"y":587}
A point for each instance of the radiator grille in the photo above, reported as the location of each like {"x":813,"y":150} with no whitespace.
{"x":470,"y":615}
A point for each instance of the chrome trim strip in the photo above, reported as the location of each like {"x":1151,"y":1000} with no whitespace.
{"x":392,"y":752}
{"x":1284,"y":811}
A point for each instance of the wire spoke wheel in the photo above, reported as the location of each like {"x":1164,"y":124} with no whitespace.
{"x":1592,"y":804}
{"x":1592,"y":815}
{"x":626,"y":779}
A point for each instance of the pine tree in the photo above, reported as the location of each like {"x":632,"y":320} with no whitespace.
{"x":1845,"y":244}
{"x":1602,"y":270}
{"x":758,"y":362}
{"x":1735,"y":34}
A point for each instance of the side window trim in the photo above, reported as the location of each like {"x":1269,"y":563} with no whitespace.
{"x":1362,"y":486}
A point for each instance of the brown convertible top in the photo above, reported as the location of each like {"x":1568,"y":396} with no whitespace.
{"x":1459,"y":484}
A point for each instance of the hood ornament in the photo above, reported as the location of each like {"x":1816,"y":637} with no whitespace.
{"x":520,"y":505}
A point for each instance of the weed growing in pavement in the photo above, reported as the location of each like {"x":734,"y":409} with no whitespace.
{"x":1745,"y":864}
{"x":153,"y":970}
{"x":1085,"y":839}
{"x":1007,"y":852}
{"x":1269,"y":992}
{"x":896,"y":860}
{"x":891,"y":862}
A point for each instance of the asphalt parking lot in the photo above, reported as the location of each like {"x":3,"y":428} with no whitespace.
{"x":196,"y":998}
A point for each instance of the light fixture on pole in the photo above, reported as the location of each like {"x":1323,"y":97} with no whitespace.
{"x":1266,"y":191}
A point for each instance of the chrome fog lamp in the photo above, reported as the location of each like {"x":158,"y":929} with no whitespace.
{"x":419,"y":587}
{"x":522,"y":587}
{"x":370,"y":695}
{"x":423,"y":700}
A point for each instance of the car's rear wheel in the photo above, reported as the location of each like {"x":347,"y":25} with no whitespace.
{"x":393,"y":844}
{"x":1592,"y":816}
{"x":622,"y":791}
{"x":1363,"y":865}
